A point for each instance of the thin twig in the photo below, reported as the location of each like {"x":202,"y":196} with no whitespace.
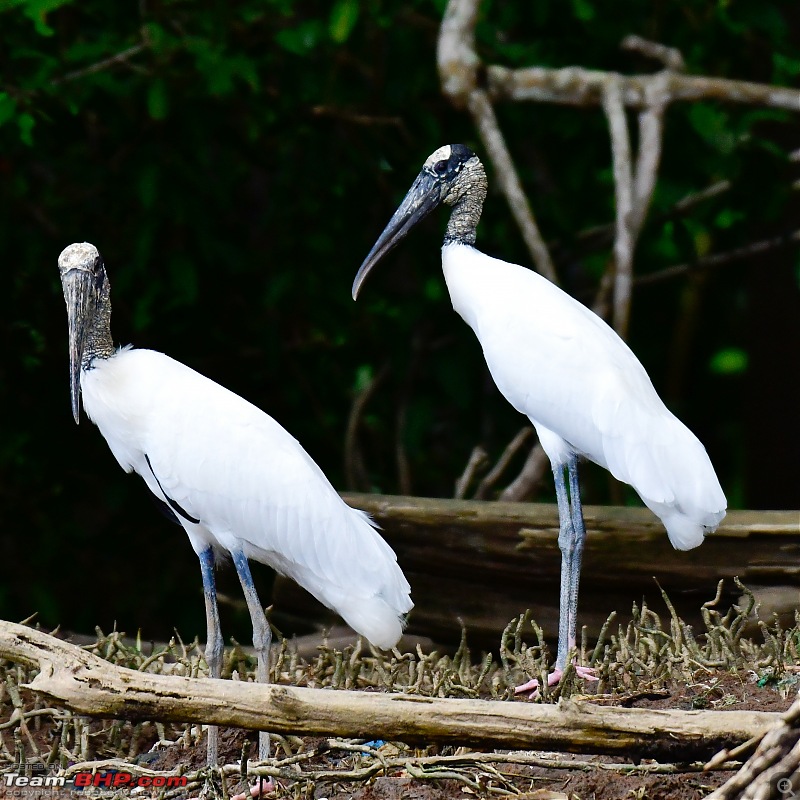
{"x":477,"y":458}
{"x":670,"y":57}
{"x":651,"y":136}
{"x":718,"y":259}
{"x":354,"y":468}
{"x":623,"y":191}
{"x":99,"y":66}
{"x":513,"y":447}
{"x":356,"y":118}
{"x":509,"y":182}
{"x":528,"y":479}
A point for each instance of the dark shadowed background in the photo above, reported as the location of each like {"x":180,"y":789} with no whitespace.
{"x":234,"y":162}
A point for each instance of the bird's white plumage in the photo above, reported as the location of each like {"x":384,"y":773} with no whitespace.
{"x":583,"y":389}
{"x":249,"y":483}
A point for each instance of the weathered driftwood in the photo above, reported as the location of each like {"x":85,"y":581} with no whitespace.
{"x":774,"y":768}
{"x":87,"y":684}
{"x":483,"y":563}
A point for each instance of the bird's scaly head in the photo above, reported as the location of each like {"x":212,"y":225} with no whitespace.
{"x":450,"y":175}
{"x":83,"y":279}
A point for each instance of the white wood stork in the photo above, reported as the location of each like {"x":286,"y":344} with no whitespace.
{"x":236,"y":481}
{"x":564,"y":368}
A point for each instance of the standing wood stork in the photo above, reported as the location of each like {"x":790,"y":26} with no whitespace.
{"x":564,"y":368}
{"x":236,"y":481}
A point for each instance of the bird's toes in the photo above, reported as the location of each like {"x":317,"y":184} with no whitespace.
{"x":587,"y":673}
{"x":260,"y":788}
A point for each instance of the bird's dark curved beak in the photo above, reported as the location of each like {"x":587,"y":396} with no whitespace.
{"x":423,"y":196}
{"x":79,"y":294}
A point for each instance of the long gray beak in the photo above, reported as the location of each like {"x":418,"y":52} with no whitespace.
{"x":423,"y":196}
{"x":80,"y":296}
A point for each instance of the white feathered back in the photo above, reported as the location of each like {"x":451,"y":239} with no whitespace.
{"x":583,"y":389}
{"x":250,"y":484}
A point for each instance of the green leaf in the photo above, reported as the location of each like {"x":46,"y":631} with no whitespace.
{"x":583,"y":10}
{"x":7,"y":107}
{"x":713,"y":124}
{"x":155,"y":36}
{"x":148,"y":185}
{"x":364,"y":377}
{"x":302,"y":39}
{"x":37,"y":11}
{"x":157,"y":102}
{"x":728,"y":217}
{"x":786,"y":64}
{"x":729,"y":361}
{"x":344,"y":15}
{"x":26,"y":122}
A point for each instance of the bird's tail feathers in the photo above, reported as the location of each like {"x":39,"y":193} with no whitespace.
{"x":374,"y":619}
{"x":672,"y":473}
{"x":685,"y":531}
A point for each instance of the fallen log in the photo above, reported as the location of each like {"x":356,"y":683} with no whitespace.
{"x":86,"y":684}
{"x":483,"y":563}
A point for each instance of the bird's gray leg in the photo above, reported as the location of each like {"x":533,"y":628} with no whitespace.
{"x":566,"y":543}
{"x":214,"y":646}
{"x":262,"y":635}
{"x":579,"y":538}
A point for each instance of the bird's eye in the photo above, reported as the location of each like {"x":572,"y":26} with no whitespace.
{"x":440,"y":167}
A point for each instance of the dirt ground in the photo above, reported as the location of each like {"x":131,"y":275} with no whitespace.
{"x":648,"y":663}
{"x":576,"y":777}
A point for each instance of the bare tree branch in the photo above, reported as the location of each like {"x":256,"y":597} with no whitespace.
{"x":623,"y":192}
{"x":354,"y":469}
{"x":584,"y":87}
{"x":772,"y":770}
{"x":718,"y":259}
{"x":528,"y":479}
{"x":118,"y":58}
{"x":477,"y":458}
{"x":455,"y":53}
{"x":598,"y":236}
{"x":458,"y":71}
{"x":648,"y":157}
{"x":668,"y":56}
{"x":492,"y":138}
{"x":86,"y":684}
{"x":499,"y":468}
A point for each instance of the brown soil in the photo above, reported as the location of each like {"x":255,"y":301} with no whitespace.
{"x":591,"y":782}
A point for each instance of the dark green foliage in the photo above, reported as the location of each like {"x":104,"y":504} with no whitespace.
{"x":234,"y":162}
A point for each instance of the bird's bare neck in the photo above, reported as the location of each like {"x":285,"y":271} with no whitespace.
{"x":99,"y":343}
{"x":467,"y":209}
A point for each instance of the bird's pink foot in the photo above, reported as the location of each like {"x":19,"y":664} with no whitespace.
{"x":532,"y":686}
{"x":259,"y":789}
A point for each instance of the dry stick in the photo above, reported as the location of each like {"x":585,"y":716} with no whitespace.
{"x":670,"y":57}
{"x":456,"y":58}
{"x":477,"y":458}
{"x":598,"y":236}
{"x":528,"y":479}
{"x":458,"y":65}
{"x":648,"y":157}
{"x":508,"y":179}
{"x":718,"y":259}
{"x":777,"y":756}
{"x":491,"y":478}
{"x":623,"y":192}
{"x":87,"y":684}
{"x":585,"y":87}
{"x":354,"y":469}
{"x":119,"y":58}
